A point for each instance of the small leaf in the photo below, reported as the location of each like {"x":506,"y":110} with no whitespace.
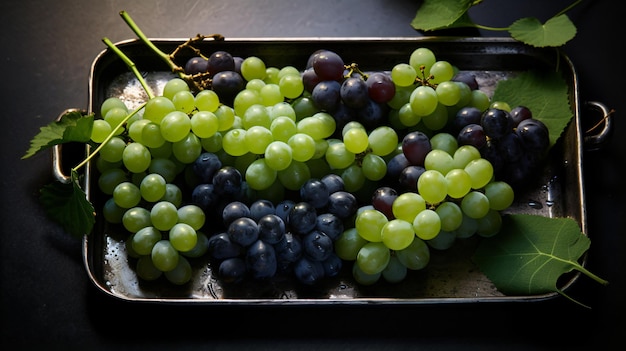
{"x":531,"y":252}
{"x":555,"y":32}
{"x":72,"y":127}
{"x":67,"y":205}
{"x":440,"y":14}
{"x":544,"y":93}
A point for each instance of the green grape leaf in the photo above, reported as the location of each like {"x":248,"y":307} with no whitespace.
{"x":67,"y":205}
{"x":555,"y":32}
{"x":71,"y":127}
{"x":531,"y":252}
{"x":440,"y":14}
{"x":544,"y":93}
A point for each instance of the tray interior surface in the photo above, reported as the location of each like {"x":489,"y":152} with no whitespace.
{"x":450,"y":276}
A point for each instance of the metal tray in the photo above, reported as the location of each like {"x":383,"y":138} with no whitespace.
{"x":450,"y":277}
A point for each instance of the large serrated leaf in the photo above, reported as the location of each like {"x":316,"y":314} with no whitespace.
{"x":440,"y":14}
{"x":72,"y":127}
{"x":545,"y":93}
{"x":555,"y":32}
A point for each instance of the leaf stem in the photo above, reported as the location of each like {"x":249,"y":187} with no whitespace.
{"x":106,"y":140}
{"x":571,"y":6}
{"x":131,"y":65}
{"x":494,"y":29}
{"x":591,"y":275}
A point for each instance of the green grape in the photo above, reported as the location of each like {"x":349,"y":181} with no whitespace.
{"x":338,"y":157}
{"x":111,"y":212}
{"x":151,"y":135}
{"x":207,"y":100}
{"x":136,"y":157}
{"x":423,"y":100}
{"x":383,"y":140}
{"x":283,"y":109}
{"x":164,"y":167}
{"x":501,"y":105}
{"x":136,"y":178}
{"x":395,"y":271}
{"x":443,"y":241}
{"x":183,"y":237}
{"x":356,"y":140}
{"x":173,"y":86}
{"x":184,"y":101}
{"x":135,"y":130}
{"x":253,"y":67}
{"x":500,"y":195}
{"x":464,"y":154}
{"x":427,"y":224}
{"x":432,"y":186}
{"x":475,"y":204}
{"x":271,"y":75}
{"x":136,"y":218}
{"x":295,"y":175}
{"x":257,"y":139}
{"x":369,"y":224}
{"x":406,"y":116}
{"x":422,"y":57}
{"x":407,"y":205}
{"x":416,"y":256}
{"x":204,"y":124}
{"x":164,"y":256}
{"x":259,"y":175}
{"x":115,"y":117}
{"x":286,"y":71}
{"x":444,"y":141}
{"x":163,"y":215}
{"x":226,"y":117}
{"x":291,"y":86}
{"x":401,"y":97}
{"x":256,"y":115}
{"x":490,"y":224}
{"x":348,"y":244}
{"x":175,"y":126}
{"x":353,"y":178}
{"x":302,"y":147}
{"x":255,"y":84}
{"x":188,"y":149}
{"x":304,"y":106}
{"x":441,"y":71}
{"x":144,"y":239}
{"x":321,"y":146}
{"x":450,"y":215}
{"x":397,"y":234}
{"x":110,"y":103}
{"x":437,"y":119}
{"x":373,"y":257}
{"x":100,"y":130}
{"x":374,"y":167}
{"x":459,"y":183}
{"x":244,"y":99}
{"x":480,"y":171}
{"x":278,"y":155}
{"x":152,"y":187}
{"x":110,"y":178}
{"x":318,"y":167}
{"x":315,"y":126}
{"x":439,"y":160}
{"x":234,"y":142}
{"x":350,"y":125}
{"x":202,"y":245}
{"x":448,"y":93}
{"x":126,"y":195}
{"x":146,"y":269}
{"x":283,"y":128}
{"x":212,"y":143}
{"x":468,"y":227}
{"x":466,"y":95}
{"x":271,"y":94}
{"x":364,"y":278}
{"x":193,"y":215}
{"x":181,"y":274}
{"x":112,"y":151}
{"x":173,"y":194}
{"x":157,"y":107}
{"x":403,"y":75}
{"x":480,"y":100}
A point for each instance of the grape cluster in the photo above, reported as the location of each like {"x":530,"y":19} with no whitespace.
{"x":275,"y":172}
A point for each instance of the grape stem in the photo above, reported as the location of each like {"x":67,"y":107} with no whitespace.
{"x":131,"y":65}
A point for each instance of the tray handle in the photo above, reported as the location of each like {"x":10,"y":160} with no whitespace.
{"x":597,"y":140}
{"x":57,"y":153}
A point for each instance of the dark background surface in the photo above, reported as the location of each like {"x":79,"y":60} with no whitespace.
{"x":48,"y":302}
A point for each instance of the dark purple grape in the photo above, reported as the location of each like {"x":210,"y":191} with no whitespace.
{"x":342,"y":204}
{"x":315,"y":192}
{"x":243,"y":231}
{"x":465,"y":116}
{"x":196,"y":65}
{"x":261,"y":260}
{"x":491,"y":153}
{"x":354,"y":92}
{"x":289,"y":248}
{"x":382,"y":200}
{"x":206,"y":165}
{"x":283,"y":208}
{"x":380,"y":87}
{"x":342,"y":115}
{"x":329,"y":224}
{"x":534,"y":135}
{"x":327,"y":95}
{"x":227,"y":84}
{"x":467,"y":78}
{"x":332,"y":265}
{"x":511,"y":147}
{"x":317,"y":245}
{"x":472,"y":134}
{"x":373,"y":115}
{"x":409,"y":176}
{"x":232,"y":270}
{"x":227,"y":181}
{"x":333,"y":182}
{"x":221,"y":247}
{"x":220,"y":61}
{"x":307,"y":271}
{"x":260,"y":208}
{"x":204,"y":196}
{"x":395,"y":166}
{"x":302,"y":218}
{"x":415,"y":146}
{"x":238,"y":60}
{"x":328,"y":65}
{"x":234,"y":210}
{"x":271,"y":228}
{"x":310,"y":79}
{"x":496,"y":123}
{"x":520,"y":113}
